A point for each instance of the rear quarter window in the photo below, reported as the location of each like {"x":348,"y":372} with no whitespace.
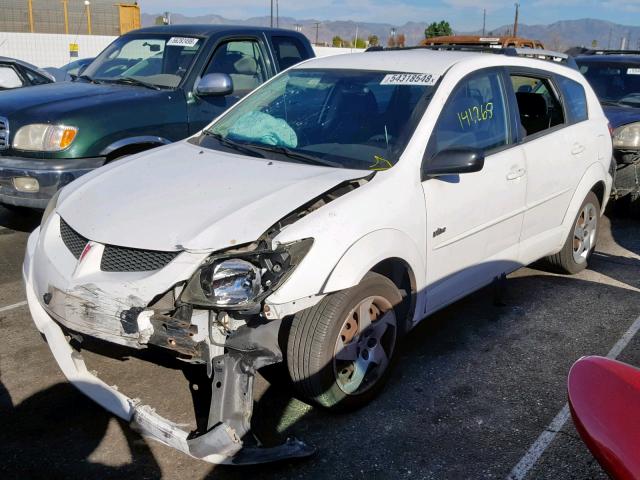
{"x":575,"y":99}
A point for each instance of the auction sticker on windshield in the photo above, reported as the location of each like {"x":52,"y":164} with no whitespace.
{"x":633,"y":71}
{"x":182,"y":42}
{"x":409,"y":79}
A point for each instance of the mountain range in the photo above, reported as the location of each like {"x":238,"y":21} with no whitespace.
{"x":558,"y":35}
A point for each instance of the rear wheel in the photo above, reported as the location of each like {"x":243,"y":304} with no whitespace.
{"x":582,"y":238}
{"x":340,"y":351}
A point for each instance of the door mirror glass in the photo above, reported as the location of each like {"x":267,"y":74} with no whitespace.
{"x":214,"y":84}
{"x":454,"y":161}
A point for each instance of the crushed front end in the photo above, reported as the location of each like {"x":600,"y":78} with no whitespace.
{"x":77,"y":287}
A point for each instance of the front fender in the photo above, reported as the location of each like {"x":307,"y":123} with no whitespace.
{"x":370,"y":250}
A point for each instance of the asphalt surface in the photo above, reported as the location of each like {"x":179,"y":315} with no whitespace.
{"x":473,"y":388}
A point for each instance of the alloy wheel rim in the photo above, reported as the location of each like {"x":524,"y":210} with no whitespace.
{"x":365,"y":345}
{"x":584,"y":233}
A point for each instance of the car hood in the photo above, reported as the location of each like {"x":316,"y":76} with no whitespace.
{"x":48,"y":103}
{"x":185,"y":197}
{"x":619,"y":116}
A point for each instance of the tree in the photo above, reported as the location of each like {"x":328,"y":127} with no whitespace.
{"x":337,"y":41}
{"x":359,"y":43}
{"x":159,"y":20}
{"x":438,"y":29}
{"x":374,"y":41}
{"x":400,"y":40}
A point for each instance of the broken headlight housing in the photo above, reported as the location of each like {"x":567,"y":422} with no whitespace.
{"x":241,"y":280}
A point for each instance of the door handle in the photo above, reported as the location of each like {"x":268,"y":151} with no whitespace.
{"x":516,"y":173}
{"x":577,"y":149}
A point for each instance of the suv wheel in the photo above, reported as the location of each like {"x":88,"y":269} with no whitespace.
{"x":340,"y":351}
{"x":582,"y":238}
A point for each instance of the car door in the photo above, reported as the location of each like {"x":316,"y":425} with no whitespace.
{"x":474,"y":219}
{"x":245,"y":61}
{"x":555,"y":152}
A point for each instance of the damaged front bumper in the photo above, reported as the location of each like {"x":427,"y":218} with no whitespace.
{"x":228,"y":437}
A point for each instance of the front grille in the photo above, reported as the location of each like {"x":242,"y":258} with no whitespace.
{"x":4,"y":133}
{"x":72,"y":239}
{"x":122,"y":259}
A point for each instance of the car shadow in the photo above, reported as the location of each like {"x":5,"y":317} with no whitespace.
{"x":53,"y":433}
{"x":20,"y":219}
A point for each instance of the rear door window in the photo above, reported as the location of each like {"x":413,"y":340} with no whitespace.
{"x":538,"y":103}
{"x":288,"y":51}
{"x":574,"y":98}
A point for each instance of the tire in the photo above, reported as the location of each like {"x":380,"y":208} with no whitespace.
{"x":581,"y":241}
{"x":326,"y":372}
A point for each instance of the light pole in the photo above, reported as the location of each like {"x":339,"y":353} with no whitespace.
{"x":66,"y":16}
{"x":515,"y":22}
{"x":87,"y":5}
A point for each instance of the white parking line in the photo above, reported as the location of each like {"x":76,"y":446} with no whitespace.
{"x":11,"y":307}
{"x":528,"y":461}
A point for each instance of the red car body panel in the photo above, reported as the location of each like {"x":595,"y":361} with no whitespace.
{"x":604,"y":396}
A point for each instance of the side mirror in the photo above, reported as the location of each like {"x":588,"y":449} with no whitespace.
{"x":454,"y":161}
{"x":214,"y":84}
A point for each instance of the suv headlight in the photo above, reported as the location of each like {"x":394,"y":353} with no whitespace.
{"x":627,"y":137}
{"x":40,"y":137}
{"x":239,"y":281}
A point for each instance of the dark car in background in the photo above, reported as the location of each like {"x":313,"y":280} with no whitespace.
{"x":15,"y":73}
{"x":150,"y":87}
{"x":615,"y":77}
{"x":70,"y":70}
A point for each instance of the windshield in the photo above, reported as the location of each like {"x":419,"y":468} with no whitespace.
{"x":343,"y":118}
{"x":614,"y":82}
{"x":157,"y":60}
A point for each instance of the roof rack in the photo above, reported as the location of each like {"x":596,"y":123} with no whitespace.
{"x":539,"y":54}
{"x":611,"y":52}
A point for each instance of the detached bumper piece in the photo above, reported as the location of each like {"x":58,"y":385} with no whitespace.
{"x":228,"y":439}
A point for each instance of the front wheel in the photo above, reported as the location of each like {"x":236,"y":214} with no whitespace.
{"x":581,"y":241}
{"x":340,"y":351}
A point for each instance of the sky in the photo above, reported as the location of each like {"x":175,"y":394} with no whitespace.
{"x":462,"y":14}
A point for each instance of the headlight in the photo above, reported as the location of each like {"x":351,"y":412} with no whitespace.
{"x":51,"y":206}
{"x":627,"y":137}
{"x":40,"y":137}
{"x":239,"y":281}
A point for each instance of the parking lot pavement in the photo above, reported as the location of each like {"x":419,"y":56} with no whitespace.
{"x":473,"y":388}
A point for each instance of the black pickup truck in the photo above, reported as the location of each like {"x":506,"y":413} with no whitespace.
{"x":150,"y":87}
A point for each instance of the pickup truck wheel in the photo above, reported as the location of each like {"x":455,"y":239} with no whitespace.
{"x":581,"y":241}
{"x":340,"y":351}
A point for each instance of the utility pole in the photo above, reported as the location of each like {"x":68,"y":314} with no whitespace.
{"x":355,"y":43}
{"x":317,"y":24}
{"x":515,"y":22}
{"x":277,"y":14}
{"x":609,"y":44}
{"x":484,"y":20}
{"x":66,"y":16}
{"x":271,"y":14}
{"x":31,"y":26}
{"x":87,"y":5}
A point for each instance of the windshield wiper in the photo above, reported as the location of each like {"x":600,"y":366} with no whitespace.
{"x":234,"y":145}
{"x":85,"y":77}
{"x":135,"y":81}
{"x":612,"y":103}
{"x":298,"y":156}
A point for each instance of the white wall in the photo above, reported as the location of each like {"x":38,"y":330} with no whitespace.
{"x":52,"y":50}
